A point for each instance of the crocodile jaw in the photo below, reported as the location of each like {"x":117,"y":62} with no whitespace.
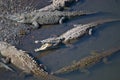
{"x":43,"y":47}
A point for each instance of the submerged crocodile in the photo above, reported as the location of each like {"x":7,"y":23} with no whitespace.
{"x":57,"y":5}
{"x":87,"y":62}
{"x":39,"y":17}
{"x":74,"y":33}
{"x":24,"y":61}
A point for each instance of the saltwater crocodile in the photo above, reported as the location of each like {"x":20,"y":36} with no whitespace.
{"x":87,"y":62}
{"x":24,"y":61}
{"x":39,"y":17}
{"x":74,"y":33}
{"x":57,"y":5}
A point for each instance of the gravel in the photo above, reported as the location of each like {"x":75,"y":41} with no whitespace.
{"x":11,"y":31}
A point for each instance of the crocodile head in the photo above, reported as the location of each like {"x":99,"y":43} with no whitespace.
{"x":44,"y":47}
{"x":49,"y":43}
{"x":21,"y":18}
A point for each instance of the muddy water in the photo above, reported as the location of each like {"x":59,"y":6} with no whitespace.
{"x":104,"y":37}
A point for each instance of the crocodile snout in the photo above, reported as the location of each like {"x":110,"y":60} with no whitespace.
{"x":43,"y":47}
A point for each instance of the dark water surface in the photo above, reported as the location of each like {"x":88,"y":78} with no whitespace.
{"x":104,"y":37}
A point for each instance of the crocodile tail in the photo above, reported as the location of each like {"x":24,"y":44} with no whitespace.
{"x":110,"y":52}
{"x":95,"y":23}
{"x":79,"y":13}
{"x":105,"y":21}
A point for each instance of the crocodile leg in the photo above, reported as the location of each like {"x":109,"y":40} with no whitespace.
{"x":85,"y":71}
{"x":61,"y":20}
{"x":25,"y":74}
{"x":89,"y":31}
{"x":35,"y":24}
{"x":5,"y":60}
{"x":105,"y":60}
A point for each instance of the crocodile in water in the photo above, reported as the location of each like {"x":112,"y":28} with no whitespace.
{"x":74,"y":33}
{"x":87,"y":62}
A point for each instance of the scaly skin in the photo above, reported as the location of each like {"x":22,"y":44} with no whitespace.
{"x":80,"y":30}
{"x":23,"y":61}
{"x":87,"y":61}
{"x":74,"y":33}
{"x":39,"y":17}
{"x":49,"y":43}
{"x":57,"y":5}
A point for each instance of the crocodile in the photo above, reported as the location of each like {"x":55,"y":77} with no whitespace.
{"x":24,"y":61}
{"x":74,"y":33}
{"x":88,"y":61}
{"x":42,"y":18}
{"x":49,"y":43}
{"x":57,"y":5}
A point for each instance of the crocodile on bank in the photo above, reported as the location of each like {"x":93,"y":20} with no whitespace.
{"x":87,"y":62}
{"x":11,"y":31}
{"x":39,"y":17}
{"x":57,"y":5}
{"x":74,"y":33}
{"x":24,"y":61}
